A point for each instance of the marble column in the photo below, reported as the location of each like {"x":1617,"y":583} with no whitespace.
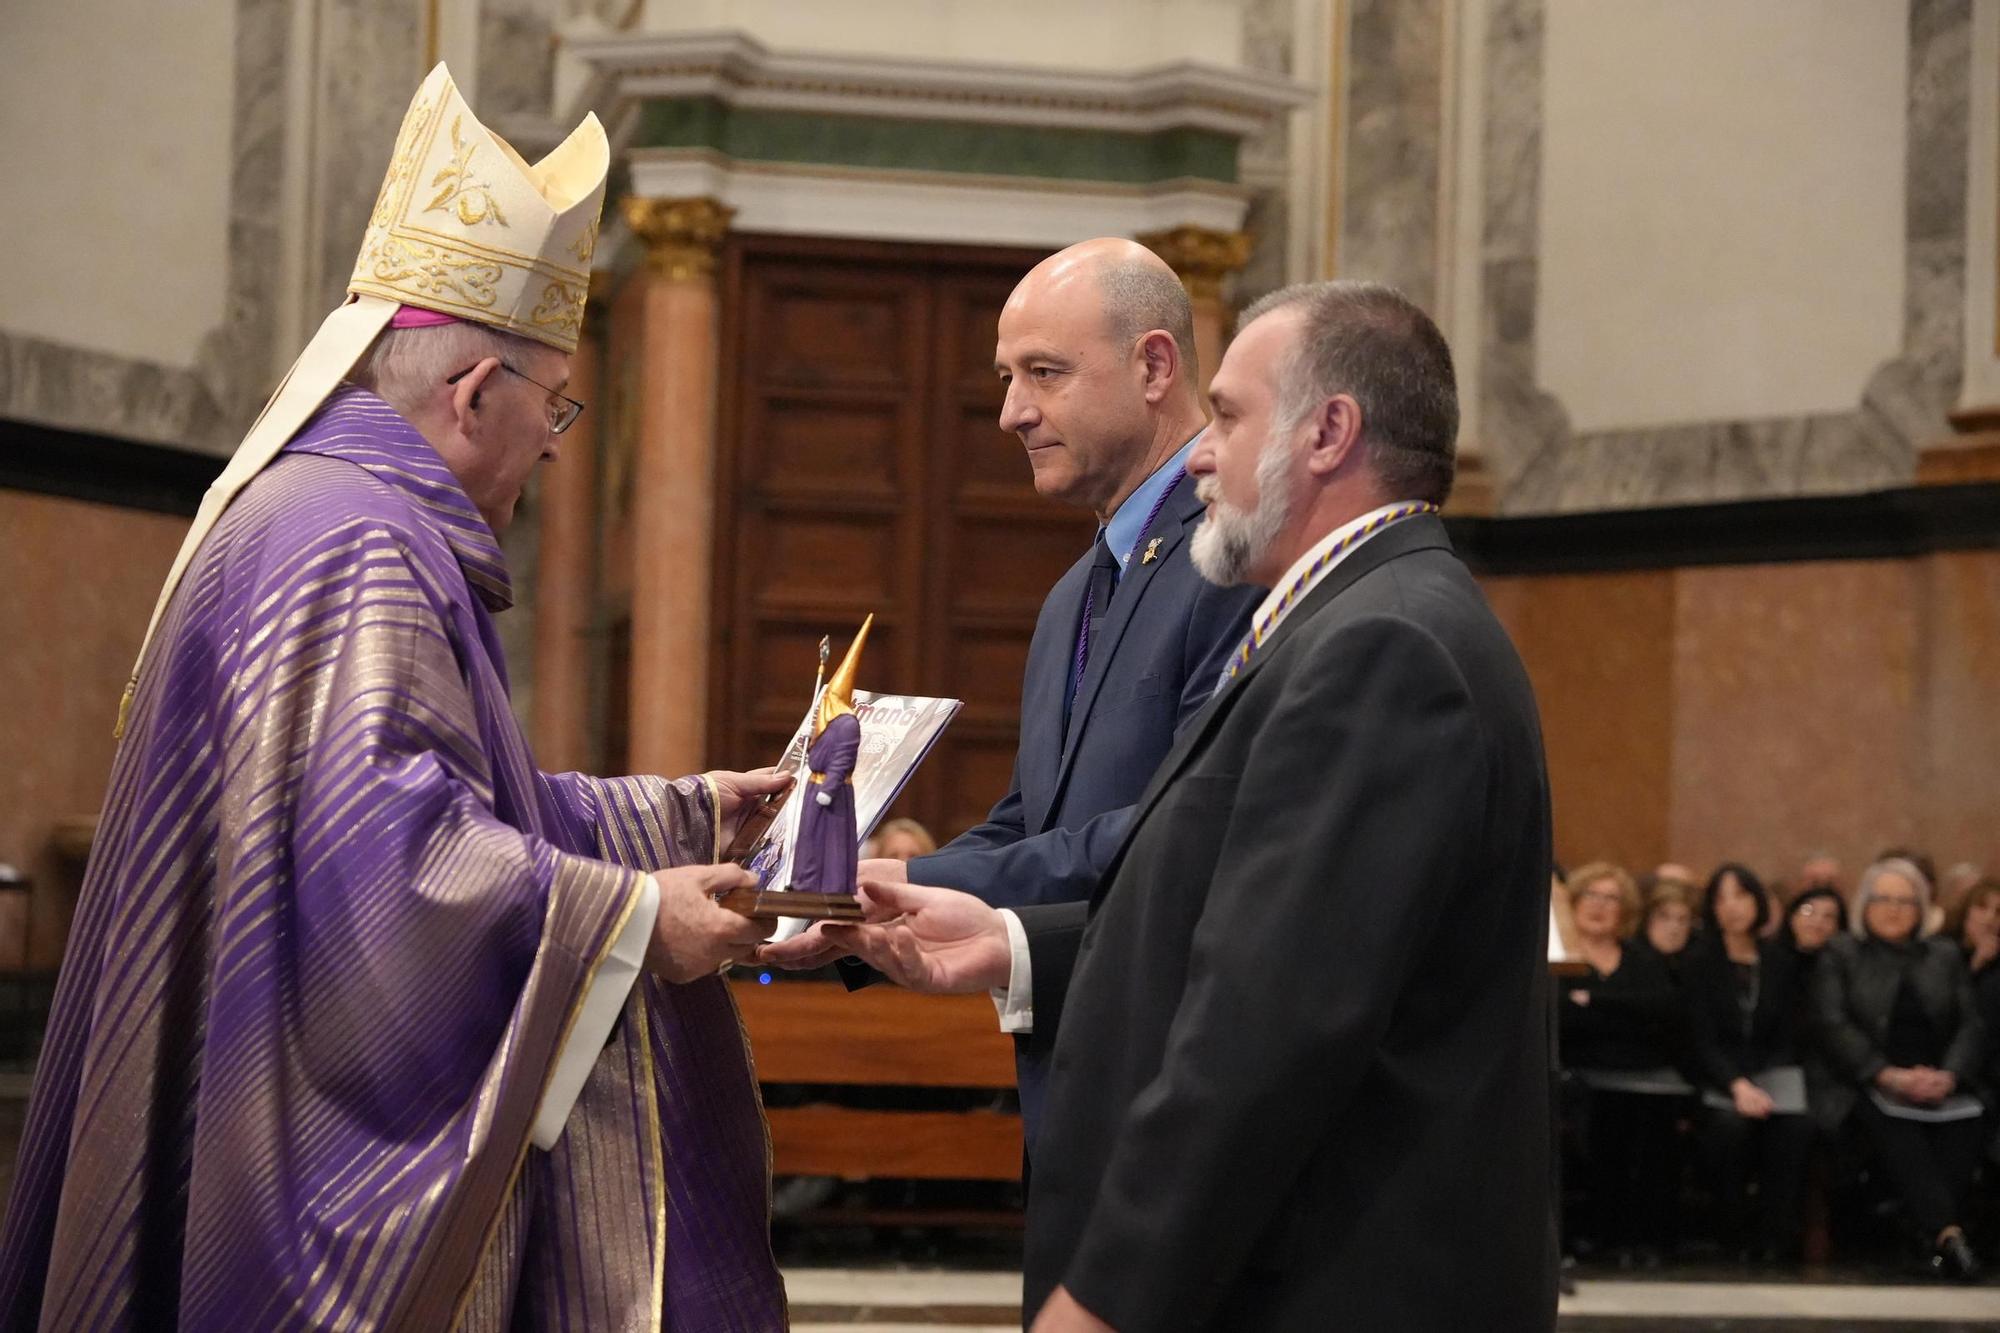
{"x":1202,"y":258}
{"x":673,"y":482}
{"x":565,"y":572}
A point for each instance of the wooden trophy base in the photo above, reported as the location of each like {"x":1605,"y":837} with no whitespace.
{"x":771,"y":904}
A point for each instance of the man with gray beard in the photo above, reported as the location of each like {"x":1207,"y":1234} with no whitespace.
{"x":1299,"y":1033}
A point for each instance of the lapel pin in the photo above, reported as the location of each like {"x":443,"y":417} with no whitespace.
{"x":1152,"y":550}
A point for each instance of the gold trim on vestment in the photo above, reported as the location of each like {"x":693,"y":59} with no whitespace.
{"x":548,"y":1073}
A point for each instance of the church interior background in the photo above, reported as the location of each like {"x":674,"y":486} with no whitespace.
{"x":1720,"y":280}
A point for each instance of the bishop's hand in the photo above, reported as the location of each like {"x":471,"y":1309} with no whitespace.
{"x":694,"y":936}
{"x":735,"y":793}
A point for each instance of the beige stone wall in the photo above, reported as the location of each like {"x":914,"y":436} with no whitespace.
{"x":80,"y":582}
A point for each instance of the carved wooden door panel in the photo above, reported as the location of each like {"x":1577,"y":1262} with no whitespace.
{"x":862,"y":469}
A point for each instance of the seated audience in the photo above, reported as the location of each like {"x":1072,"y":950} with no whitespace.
{"x":1741,"y":994}
{"x":1617,"y":1025}
{"x":1901,"y":1034}
{"x":1816,"y":914}
{"x":1667,"y":921}
{"x":1953,"y":886}
{"x":1975,"y":926}
{"x":1934,"y":913}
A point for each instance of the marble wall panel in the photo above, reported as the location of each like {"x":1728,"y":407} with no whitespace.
{"x":516,"y":57}
{"x":1544,"y":465}
{"x":1390,"y":172}
{"x":1798,"y":712}
{"x":206,"y":404}
{"x":1599,"y":648}
{"x":1958,"y":755}
{"x":1270,"y":44}
{"x":1765,"y":713}
{"x":80,"y":582}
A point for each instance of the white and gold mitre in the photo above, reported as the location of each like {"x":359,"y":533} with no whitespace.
{"x":463,"y":226}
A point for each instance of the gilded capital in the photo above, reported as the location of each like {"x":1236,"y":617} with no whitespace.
{"x":682,"y":236}
{"x":1201,"y":258}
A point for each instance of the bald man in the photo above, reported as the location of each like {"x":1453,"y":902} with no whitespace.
{"x":1096,"y":348}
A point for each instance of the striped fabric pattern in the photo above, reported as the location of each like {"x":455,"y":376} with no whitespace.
{"x":335,"y":928}
{"x":1312,"y":574}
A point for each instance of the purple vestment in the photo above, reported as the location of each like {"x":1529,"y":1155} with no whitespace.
{"x":335,"y":929}
{"x":828,"y":850}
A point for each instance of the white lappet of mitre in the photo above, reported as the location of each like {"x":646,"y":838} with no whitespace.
{"x":463,"y":226}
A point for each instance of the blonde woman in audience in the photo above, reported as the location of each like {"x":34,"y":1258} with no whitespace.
{"x":1975,"y":924}
{"x":1903,"y":1038}
{"x":1617,"y":1025}
{"x":902,"y":839}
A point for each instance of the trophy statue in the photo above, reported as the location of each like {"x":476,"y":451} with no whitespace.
{"x":828,"y":848}
{"x":804,"y":846}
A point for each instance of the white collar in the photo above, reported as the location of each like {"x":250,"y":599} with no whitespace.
{"x":1269,"y":606}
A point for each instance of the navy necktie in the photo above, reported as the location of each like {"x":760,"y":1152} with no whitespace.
{"x":1103,"y":583}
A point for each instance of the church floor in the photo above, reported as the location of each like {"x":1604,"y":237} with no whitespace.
{"x":863,"y":1300}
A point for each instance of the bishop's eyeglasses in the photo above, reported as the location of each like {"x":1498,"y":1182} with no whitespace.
{"x":562,"y":409}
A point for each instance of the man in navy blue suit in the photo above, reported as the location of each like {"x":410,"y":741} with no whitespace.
{"x":1096,"y":348}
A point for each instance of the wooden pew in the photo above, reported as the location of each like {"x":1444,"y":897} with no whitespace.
{"x":817,"y":1032}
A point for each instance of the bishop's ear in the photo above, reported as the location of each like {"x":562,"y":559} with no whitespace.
{"x":468,"y":394}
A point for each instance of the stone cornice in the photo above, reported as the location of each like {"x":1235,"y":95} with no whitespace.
{"x":947,"y":208}
{"x":740,"y":71}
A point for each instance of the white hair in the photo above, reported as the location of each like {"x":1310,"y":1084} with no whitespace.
{"x":1229,"y":542}
{"x":405,"y":366}
{"x":1865,"y":892}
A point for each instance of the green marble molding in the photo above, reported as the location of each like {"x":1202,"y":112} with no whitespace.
{"x":757,"y":135}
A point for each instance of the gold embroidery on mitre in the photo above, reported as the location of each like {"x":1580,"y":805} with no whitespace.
{"x":584,"y":246}
{"x":472,"y":199}
{"x":402,"y":166}
{"x":561,"y":309}
{"x":432,"y":270}
{"x":464,"y":226}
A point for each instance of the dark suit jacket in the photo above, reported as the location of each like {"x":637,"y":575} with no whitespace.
{"x":1164,"y":642}
{"x":1301,"y":1045}
{"x":1854,"y":995}
{"x":1724,"y":1043}
{"x":1166,"y":639}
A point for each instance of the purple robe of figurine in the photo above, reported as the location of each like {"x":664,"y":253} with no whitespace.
{"x":829,"y":848}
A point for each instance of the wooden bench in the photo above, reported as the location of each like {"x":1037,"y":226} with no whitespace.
{"x":817,"y":1032}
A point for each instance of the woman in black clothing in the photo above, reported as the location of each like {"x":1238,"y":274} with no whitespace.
{"x":1668,"y":924}
{"x":1742,"y":1006}
{"x":1975,"y":925}
{"x":1814,"y":917}
{"x":1617,"y":1025}
{"x":1902,"y":1035}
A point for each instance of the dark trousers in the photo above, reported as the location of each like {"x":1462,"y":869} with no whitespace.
{"x":1630,"y":1155}
{"x":1930,"y":1166}
{"x":1737,"y":1152}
